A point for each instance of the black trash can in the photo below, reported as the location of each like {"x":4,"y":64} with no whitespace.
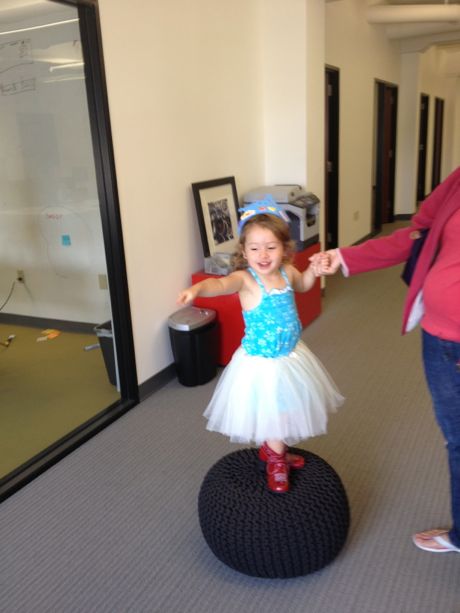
{"x":193,"y":334}
{"x":105,"y":336}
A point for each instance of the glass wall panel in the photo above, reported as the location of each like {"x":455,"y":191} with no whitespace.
{"x":55,"y":313}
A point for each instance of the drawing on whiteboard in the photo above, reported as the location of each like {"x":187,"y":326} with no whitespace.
{"x":15,"y":53}
{"x":18,"y":87}
{"x":15,"y":58}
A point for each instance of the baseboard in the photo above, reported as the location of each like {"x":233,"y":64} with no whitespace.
{"x":44,"y":322}
{"x":403,"y":216}
{"x":365,"y":238}
{"x":156,"y":382}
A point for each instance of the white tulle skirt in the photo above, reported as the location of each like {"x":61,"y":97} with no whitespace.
{"x":286,"y":398}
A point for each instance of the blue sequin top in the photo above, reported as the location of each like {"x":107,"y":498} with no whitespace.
{"x":272,"y":328}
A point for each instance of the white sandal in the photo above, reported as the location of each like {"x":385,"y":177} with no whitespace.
{"x":439,"y":537}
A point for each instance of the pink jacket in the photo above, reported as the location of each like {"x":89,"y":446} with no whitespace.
{"x":395,"y":248}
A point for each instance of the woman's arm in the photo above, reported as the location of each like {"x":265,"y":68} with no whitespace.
{"x":218,"y":286}
{"x":376,"y":253}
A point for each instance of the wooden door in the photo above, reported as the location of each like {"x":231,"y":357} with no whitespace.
{"x":422,"y":146}
{"x":387,"y":98}
{"x":437,"y":141}
{"x":331,"y":204}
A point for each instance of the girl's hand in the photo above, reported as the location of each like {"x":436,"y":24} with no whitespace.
{"x":187,"y":296}
{"x":326,"y":262}
{"x":320,"y":262}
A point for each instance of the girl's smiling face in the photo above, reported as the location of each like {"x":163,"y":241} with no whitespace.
{"x":263,"y":251}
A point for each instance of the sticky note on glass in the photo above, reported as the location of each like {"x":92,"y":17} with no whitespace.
{"x":65,"y":240}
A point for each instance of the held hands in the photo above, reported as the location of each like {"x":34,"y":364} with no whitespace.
{"x":325,"y":262}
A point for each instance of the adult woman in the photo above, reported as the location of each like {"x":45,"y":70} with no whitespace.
{"x":433,"y":299}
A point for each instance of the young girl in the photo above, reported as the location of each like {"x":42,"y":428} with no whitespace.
{"x":274,"y":390}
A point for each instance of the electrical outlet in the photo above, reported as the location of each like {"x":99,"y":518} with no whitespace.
{"x":20,"y":276}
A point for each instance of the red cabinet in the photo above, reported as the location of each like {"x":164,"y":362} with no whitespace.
{"x":228,"y":308}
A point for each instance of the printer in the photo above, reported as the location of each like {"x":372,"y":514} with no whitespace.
{"x":302,"y":208}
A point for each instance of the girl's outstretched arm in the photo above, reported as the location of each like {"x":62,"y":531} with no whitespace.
{"x":303,"y":281}
{"x":213,"y":287}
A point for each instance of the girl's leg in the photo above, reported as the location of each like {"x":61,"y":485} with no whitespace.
{"x":442,"y":369}
{"x":294,"y":460}
{"x":277,"y":468}
{"x":277,"y":446}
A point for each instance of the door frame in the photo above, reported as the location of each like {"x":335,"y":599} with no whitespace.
{"x":104,"y":161}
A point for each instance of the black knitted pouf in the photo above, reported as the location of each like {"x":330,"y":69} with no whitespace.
{"x":263,"y":534}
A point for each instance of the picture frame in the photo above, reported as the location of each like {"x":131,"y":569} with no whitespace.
{"x":216,"y":203}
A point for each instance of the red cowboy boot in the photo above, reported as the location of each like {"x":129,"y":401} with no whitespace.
{"x":277,"y":471}
{"x":293,"y":459}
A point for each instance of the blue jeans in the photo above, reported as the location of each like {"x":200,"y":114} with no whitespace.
{"x":442,"y":369}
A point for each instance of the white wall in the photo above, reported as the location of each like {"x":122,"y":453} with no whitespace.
{"x":422,"y":72}
{"x":434,"y":83}
{"x":284,"y":93}
{"x":185,"y":102}
{"x":315,"y":99}
{"x":292,"y":52}
{"x":407,"y":134}
{"x":363,"y":54}
{"x":199,"y":91}
{"x":211,"y":89}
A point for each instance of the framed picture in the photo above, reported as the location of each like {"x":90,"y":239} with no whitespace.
{"x":216,"y":204}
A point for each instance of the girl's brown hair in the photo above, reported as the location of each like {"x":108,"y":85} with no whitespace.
{"x":270,"y":222}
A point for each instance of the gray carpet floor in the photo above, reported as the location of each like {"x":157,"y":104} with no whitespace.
{"x":114,"y":528}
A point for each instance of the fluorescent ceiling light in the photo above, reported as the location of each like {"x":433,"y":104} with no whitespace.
{"x":44,"y":25}
{"x":71,"y":65}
